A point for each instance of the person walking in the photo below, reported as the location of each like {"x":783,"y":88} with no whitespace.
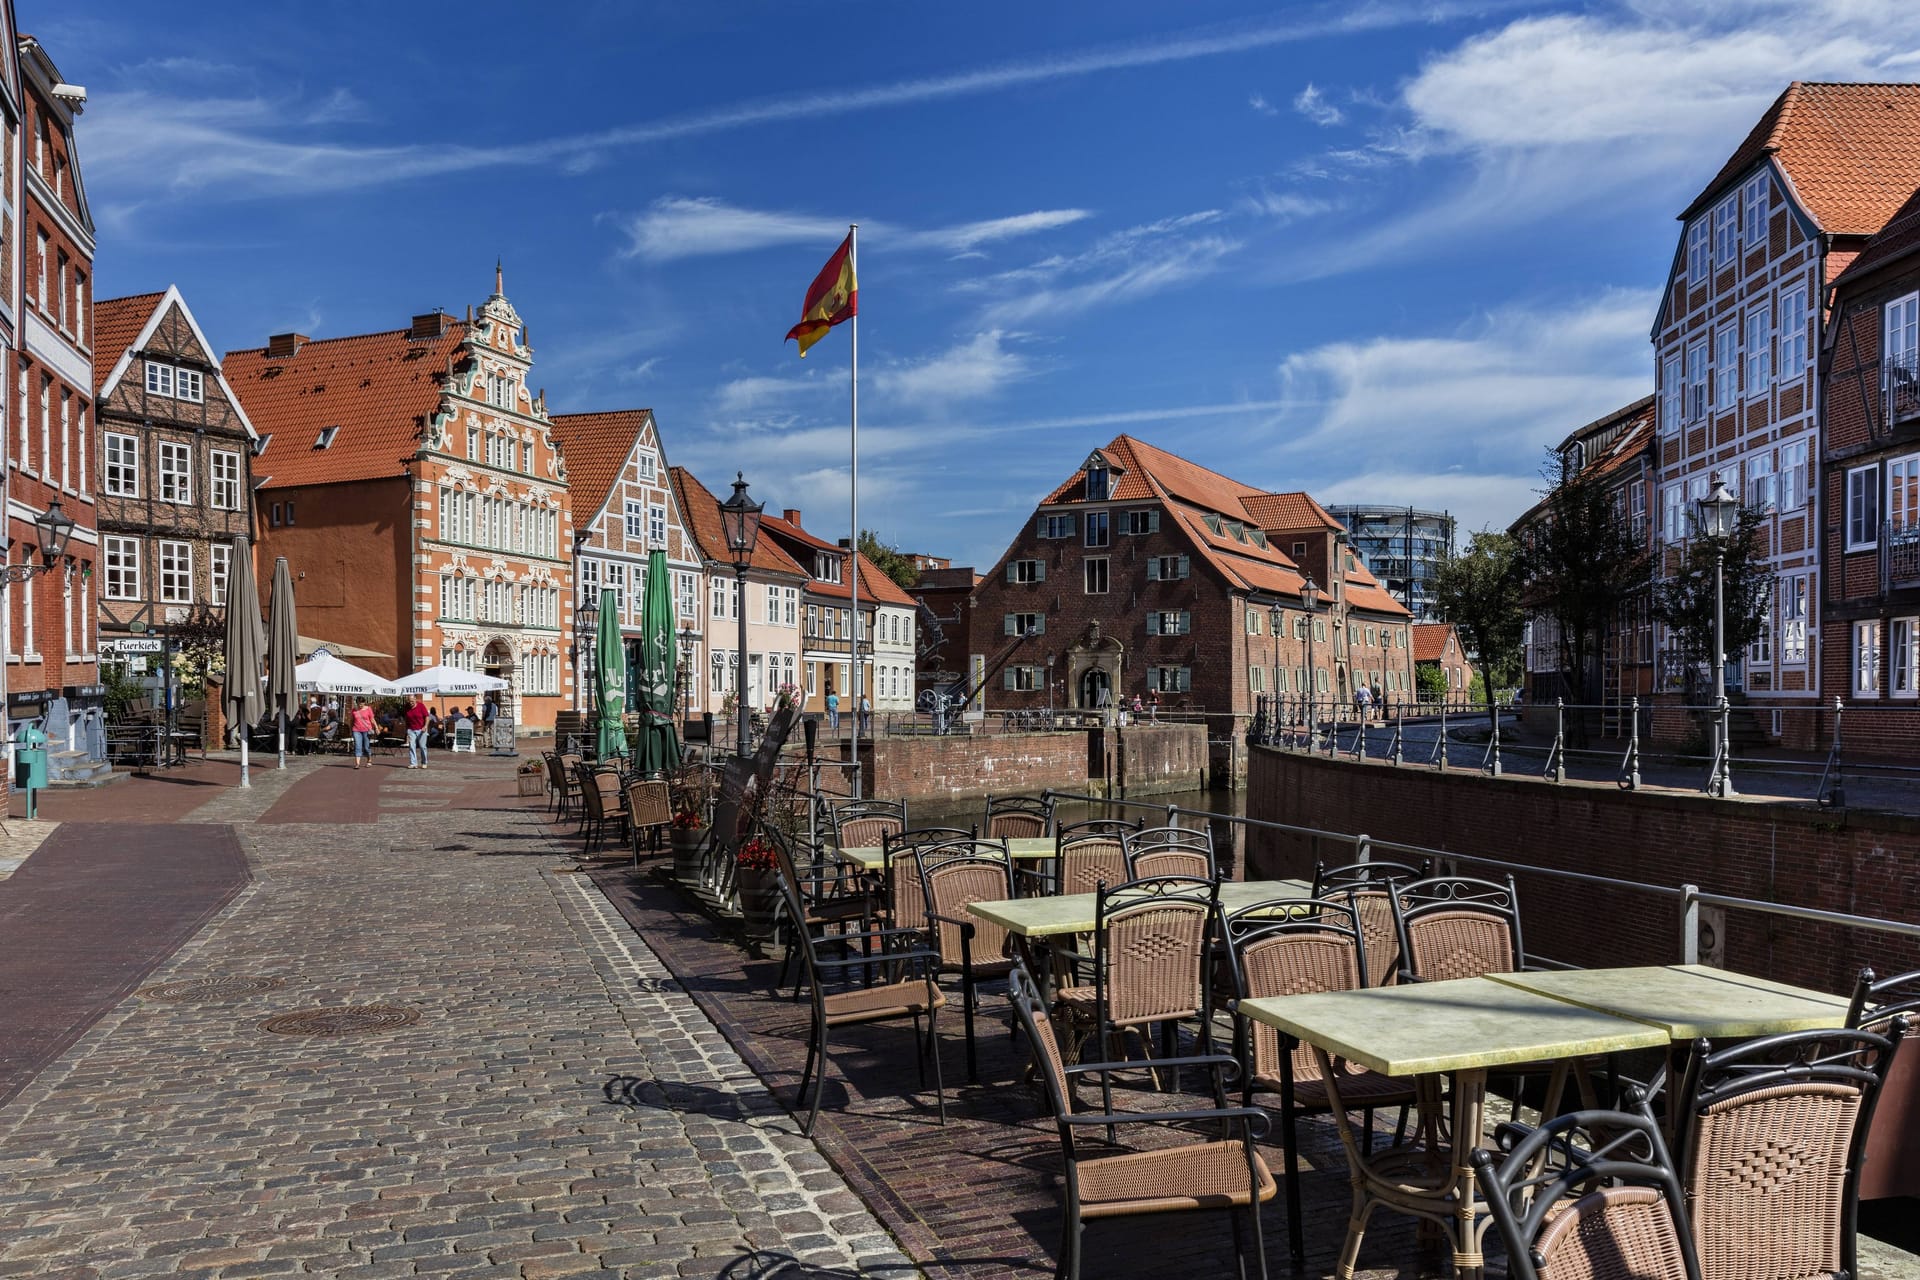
{"x":417,"y":732}
{"x":833,"y":711}
{"x":866,"y":716}
{"x":1362,"y":702}
{"x":362,"y":725}
{"x":489,"y":708}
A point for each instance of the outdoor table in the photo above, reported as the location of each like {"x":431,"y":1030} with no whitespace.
{"x":1689,"y":1001}
{"x":868,"y":857}
{"x":1428,"y":1030}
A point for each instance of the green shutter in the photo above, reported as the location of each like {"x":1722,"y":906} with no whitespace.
{"x":1008,"y":620}
{"x":1153,"y":568}
{"x":1183,"y":567}
{"x":1039,"y":570}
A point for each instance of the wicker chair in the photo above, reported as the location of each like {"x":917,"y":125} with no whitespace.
{"x":1170,"y":851}
{"x":1218,"y":1173}
{"x":902,"y":902}
{"x":911,"y":995}
{"x":1591,"y":1195}
{"x":1771,"y":1137}
{"x":649,"y":809}
{"x":602,"y":803}
{"x":1149,"y":952}
{"x":833,"y":898}
{"x":1372,"y":885}
{"x":564,"y":786}
{"x":1892,"y":1167}
{"x":1019,"y":817}
{"x":1457,"y":927}
{"x":1291,"y":947}
{"x":1085,"y":856}
{"x":973,"y":949}
{"x":865,"y":824}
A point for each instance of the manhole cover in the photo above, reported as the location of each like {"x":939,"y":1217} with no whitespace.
{"x":347,"y":1020}
{"x":209,"y":988}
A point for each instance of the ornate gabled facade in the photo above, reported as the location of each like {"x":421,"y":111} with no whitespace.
{"x":175,"y":483}
{"x":624,"y":508}
{"x":412,"y":480}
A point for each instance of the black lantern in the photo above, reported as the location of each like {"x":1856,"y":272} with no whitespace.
{"x":740,"y":517}
{"x":55,"y":527}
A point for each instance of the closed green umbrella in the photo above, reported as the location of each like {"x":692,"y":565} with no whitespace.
{"x":610,"y":673}
{"x":659,"y":748}
{"x":246,"y":648}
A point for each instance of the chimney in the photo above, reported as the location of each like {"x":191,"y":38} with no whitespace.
{"x":282,"y":345}
{"x":430,"y":325}
{"x":792,"y":516}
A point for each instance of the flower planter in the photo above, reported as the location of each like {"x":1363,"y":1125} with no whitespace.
{"x":759,"y":892}
{"x":532,"y":784}
{"x":688,"y":845}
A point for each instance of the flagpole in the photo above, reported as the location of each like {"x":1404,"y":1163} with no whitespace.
{"x":853,"y":491}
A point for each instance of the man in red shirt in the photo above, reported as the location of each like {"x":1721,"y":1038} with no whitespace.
{"x":417,"y":733}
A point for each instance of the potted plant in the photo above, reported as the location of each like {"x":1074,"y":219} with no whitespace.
{"x":690,"y":791}
{"x":757,"y":879}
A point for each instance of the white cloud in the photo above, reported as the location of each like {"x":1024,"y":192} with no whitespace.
{"x":976,"y":369}
{"x":749,"y":394}
{"x":678,"y":227}
{"x":1260,"y":104}
{"x":1312,"y":104}
{"x":1286,"y":206}
{"x":1473,"y":409}
{"x":1124,"y":265}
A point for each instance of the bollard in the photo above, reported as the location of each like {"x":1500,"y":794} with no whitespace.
{"x":1493,"y":765}
{"x":1633,"y":748}
{"x":1689,"y":924}
{"x":1399,"y":727}
{"x":1443,"y":735}
{"x":1559,"y":739}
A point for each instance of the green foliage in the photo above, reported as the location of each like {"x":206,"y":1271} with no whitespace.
{"x":889,"y":559}
{"x":1684,"y":601}
{"x":1480,"y":591}
{"x":122,"y":688}
{"x":1430,"y":681}
{"x":1584,"y":565}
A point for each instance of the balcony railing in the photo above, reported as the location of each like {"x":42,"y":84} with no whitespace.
{"x":1902,"y":386}
{"x":1902,"y":556}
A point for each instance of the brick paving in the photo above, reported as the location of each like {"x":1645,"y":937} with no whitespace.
{"x":558,"y":1109}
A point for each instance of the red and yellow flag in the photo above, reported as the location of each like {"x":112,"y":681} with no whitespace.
{"x":833,"y":298}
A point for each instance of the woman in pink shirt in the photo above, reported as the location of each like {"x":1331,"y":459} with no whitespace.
{"x":362,"y":724}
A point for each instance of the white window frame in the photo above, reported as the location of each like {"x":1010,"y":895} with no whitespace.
{"x":1902,"y":511}
{"x":225,"y":487}
{"x":1863,"y":508}
{"x":1726,"y":232}
{"x":657,"y":526}
{"x":1903,"y":657}
{"x":122,"y":559}
{"x":219,"y":571}
{"x":1792,"y":334}
{"x":176,"y":472}
{"x":1726,"y":367}
{"x":189,"y":385}
{"x":1759,"y":333}
{"x":175,"y":579}
{"x":120,"y":464}
{"x":1672,"y":388}
{"x":1762,"y":485}
{"x":1793,"y":620}
{"x":159,"y":379}
{"x":1099,"y":529}
{"x":1673,"y":511}
{"x":1699,"y":250}
{"x":1793,"y":476}
{"x":1755,"y":209}
{"x":1087,"y":574}
{"x":1865,"y":664}
{"x":1695,"y":404}
{"x":635,"y":516}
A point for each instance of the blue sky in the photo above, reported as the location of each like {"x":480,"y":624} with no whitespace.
{"x":1380,"y":251}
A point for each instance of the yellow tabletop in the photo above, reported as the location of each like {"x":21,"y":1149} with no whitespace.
{"x":868,"y":856}
{"x":1459,"y":1025}
{"x":1074,"y":912}
{"x":1689,"y":1000}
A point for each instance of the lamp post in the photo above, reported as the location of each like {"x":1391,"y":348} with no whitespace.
{"x":1276,"y":622}
{"x":1049,"y":686}
{"x":1309,"y":601}
{"x":682,"y":678}
{"x":1716,"y":521}
{"x":52,"y":527}
{"x":740,"y":517}
{"x":586,"y":625}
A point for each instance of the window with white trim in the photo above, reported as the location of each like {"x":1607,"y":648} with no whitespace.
{"x":1169,"y":679}
{"x":159,"y":379}
{"x":1169,"y":622}
{"x":1096,"y":528}
{"x":1166,"y":568}
{"x":1026,"y":571}
{"x":1760,"y":480}
{"x":1863,"y":508}
{"x":176,"y":572}
{"x":1726,"y":367}
{"x":1673,"y":511}
{"x":1793,"y":333}
{"x":1699,"y":255}
{"x":1754,"y":211}
{"x":226,"y":480}
{"x":1726,"y":232}
{"x":1903,"y":493}
{"x":1058,"y":526}
{"x":189,"y":385}
{"x":657,"y":526}
{"x":122,"y":464}
{"x":1793,"y":619}
{"x":644,"y":461}
{"x":1096,"y":575}
{"x":1793,"y":476}
{"x":176,"y":472}
{"x":1696,"y":402}
{"x":1759,"y":350}
{"x":636,"y":517}
{"x":1671,"y":384}
{"x":1903,"y":656}
{"x":123,"y":568}
{"x":1866,"y":658}
{"x":1902,"y":347}
{"x":1760,"y":652}
{"x":1024,"y":624}
{"x":1138,"y":523}
{"x":219,"y":570}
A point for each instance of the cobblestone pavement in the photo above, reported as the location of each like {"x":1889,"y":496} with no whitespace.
{"x":559,"y":1108}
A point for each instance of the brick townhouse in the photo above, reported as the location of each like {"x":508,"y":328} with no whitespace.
{"x":48,"y":621}
{"x":1871,"y":482}
{"x":411,"y":479}
{"x":624,"y":508}
{"x":175,"y":473}
{"x":1437,"y":645}
{"x":1144,"y":573}
{"x":945,"y":595}
{"x":1740,"y":324}
{"x":887,"y":627}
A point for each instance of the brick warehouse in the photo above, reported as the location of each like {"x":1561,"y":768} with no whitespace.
{"x":1146,"y":574}
{"x":412,"y":481}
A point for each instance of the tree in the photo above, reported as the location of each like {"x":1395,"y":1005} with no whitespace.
{"x":889,"y":559}
{"x":1684,"y":601}
{"x":1585,"y":565}
{"x":1480,"y":591}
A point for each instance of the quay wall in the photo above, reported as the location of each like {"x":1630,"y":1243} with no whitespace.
{"x":1860,"y":862}
{"x":1143,"y":759}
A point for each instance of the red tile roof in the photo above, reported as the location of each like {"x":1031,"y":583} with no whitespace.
{"x":1430,"y":641}
{"x":596,"y":447}
{"x":1898,"y":239}
{"x":780,"y":524}
{"x":1851,"y":151}
{"x":1289,"y":512}
{"x":378,"y":388}
{"x":701,"y":511}
{"x":874,"y":585}
{"x":116,"y":323}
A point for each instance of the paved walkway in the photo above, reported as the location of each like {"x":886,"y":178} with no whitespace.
{"x":546,"y":1104}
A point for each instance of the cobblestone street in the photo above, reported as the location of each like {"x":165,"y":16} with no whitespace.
{"x":547,"y":1106}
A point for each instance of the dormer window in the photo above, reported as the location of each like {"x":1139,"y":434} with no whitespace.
{"x":326,"y":437}
{"x":1099,"y":483}
{"x":826,"y":567}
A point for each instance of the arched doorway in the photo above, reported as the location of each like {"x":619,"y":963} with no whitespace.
{"x":1096,"y":688}
{"x":497,"y":660}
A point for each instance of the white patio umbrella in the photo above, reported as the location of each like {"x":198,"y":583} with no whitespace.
{"x":444,"y":681}
{"x":324,"y":673}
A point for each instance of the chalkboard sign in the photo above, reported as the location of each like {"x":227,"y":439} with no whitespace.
{"x":463,"y":735}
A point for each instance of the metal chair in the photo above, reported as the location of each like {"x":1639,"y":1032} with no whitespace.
{"x":602,"y":802}
{"x":1591,"y":1195}
{"x":1372,"y":885}
{"x":1457,"y":927}
{"x":864,"y":824}
{"x":1170,"y":851}
{"x":833,"y":898}
{"x":1211,"y":1173}
{"x":1293,"y":946}
{"x":1019,"y":817}
{"x":1085,"y":856}
{"x":1771,"y":1136}
{"x":649,"y":809}
{"x":901,"y":901}
{"x":912,"y":995}
{"x":972,"y":948}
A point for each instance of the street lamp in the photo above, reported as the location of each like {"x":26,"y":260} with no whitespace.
{"x":740,"y":518}
{"x":1310,"y":600}
{"x":52,"y":527}
{"x":586,"y":625}
{"x":1276,"y":621}
{"x":1717,"y":521}
{"x":686,"y":662}
{"x":1049,"y":686}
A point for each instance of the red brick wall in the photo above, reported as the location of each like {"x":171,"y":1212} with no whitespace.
{"x":1163,"y":758}
{"x":1863,"y":863}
